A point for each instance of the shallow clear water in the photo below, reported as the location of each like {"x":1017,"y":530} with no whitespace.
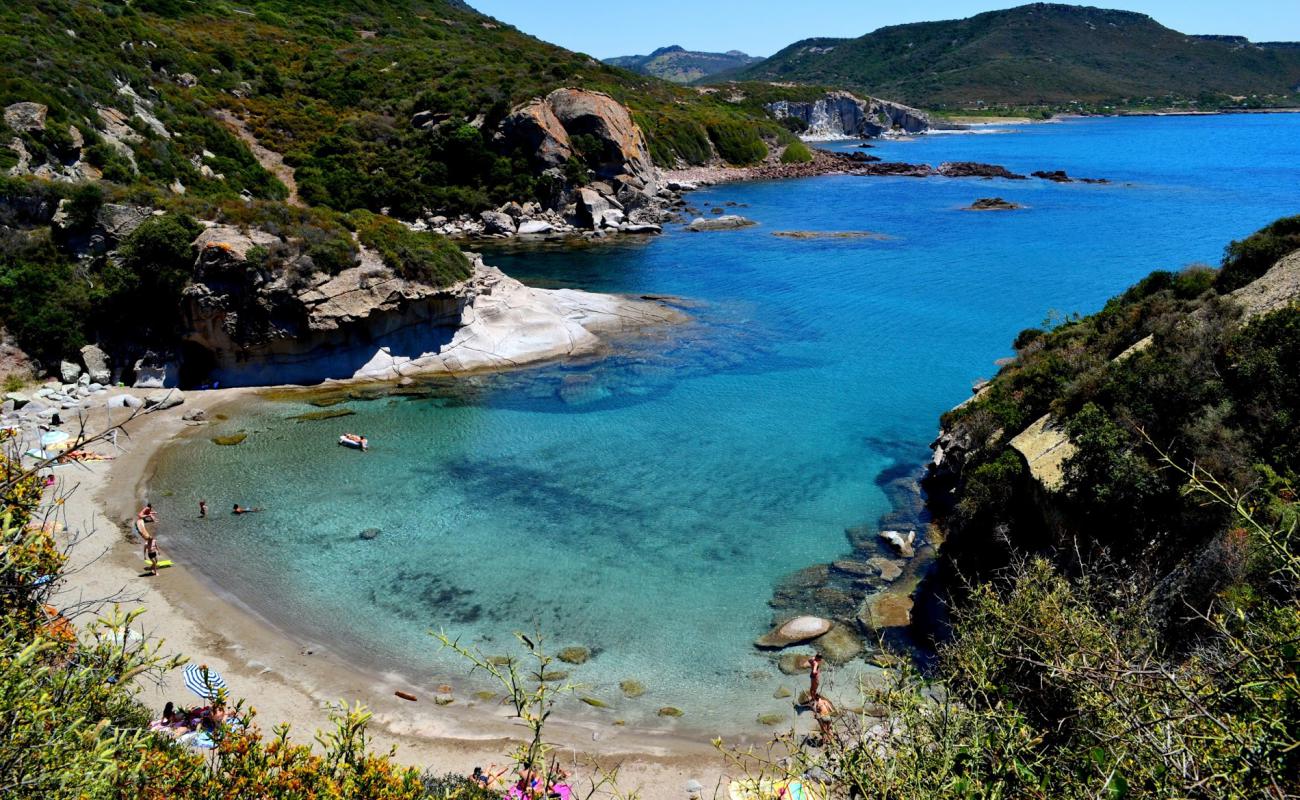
{"x":645,"y":505}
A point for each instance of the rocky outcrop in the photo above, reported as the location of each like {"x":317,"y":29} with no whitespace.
{"x":544,"y":128}
{"x":23,"y":117}
{"x":975,"y":169}
{"x":993,"y":204}
{"x":1045,"y":447}
{"x":840,"y":114}
{"x":504,"y":324}
{"x":249,"y":325}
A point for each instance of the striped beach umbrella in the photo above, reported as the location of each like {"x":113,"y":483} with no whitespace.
{"x":204,"y":682}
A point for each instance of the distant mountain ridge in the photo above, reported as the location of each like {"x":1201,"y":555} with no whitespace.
{"x":679,"y":65}
{"x":1038,"y":54}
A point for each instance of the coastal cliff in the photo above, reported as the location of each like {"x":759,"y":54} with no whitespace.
{"x":841,"y":114}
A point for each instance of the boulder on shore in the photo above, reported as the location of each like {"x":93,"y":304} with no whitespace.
{"x":496,"y":222}
{"x":903,"y":543}
{"x":161,"y":401}
{"x":97,"y":364}
{"x":799,"y":629}
{"x":69,"y":371}
{"x":534,"y":227}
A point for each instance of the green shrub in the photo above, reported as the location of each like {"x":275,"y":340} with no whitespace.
{"x":1249,"y":258}
{"x":42,"y":302}
{"x":796,"y":153}
{"x":1260,"y":366}
{"x":425,"y":257}
{"x":737,"y":143}
{"x":140,"y":293}
{"x":674,"y":137}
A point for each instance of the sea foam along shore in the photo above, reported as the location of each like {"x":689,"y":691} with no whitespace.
{"x":287,"y":679}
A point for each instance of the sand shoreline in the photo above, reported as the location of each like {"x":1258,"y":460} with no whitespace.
{"x":292,"y":680}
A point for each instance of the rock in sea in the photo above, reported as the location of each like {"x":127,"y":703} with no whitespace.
{"x":993,"y":204}
{"x":885,"y":610}
{"x":839,"y":645}
{"x":799,"y":629}
{"x":574,"y":655}
{"x":793,"y":663}
{"x":727,"y":222}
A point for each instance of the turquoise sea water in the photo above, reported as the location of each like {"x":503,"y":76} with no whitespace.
{"x":646,"y":504}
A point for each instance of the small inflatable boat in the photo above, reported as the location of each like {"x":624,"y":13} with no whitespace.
{"x":354,"y":441}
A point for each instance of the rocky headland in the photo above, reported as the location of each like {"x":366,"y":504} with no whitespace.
{"x":245,"y":326}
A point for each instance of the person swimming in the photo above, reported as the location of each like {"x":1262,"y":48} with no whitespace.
{"x":238,"y":509}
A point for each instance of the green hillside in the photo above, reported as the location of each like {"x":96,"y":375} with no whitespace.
{"x":331,"y":85}
{"x":1040,"y":54}
{"x":680,"y":65}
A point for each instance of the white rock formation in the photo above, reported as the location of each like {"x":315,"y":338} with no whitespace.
{"x":507,"y":324}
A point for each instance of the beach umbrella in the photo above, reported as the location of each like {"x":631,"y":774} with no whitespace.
{"x":203,"y":681}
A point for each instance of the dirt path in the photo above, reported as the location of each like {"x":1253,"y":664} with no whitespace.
{"x":270,"y":160}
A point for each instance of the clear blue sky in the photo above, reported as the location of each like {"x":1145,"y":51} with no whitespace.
{"x":605,"y":28}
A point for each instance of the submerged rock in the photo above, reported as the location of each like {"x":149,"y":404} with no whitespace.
{"x":370,"y":533}
{"x":889,"y":569}
{"x":670,"y":711}
{"x":574,"y":655}
{"x":793,"y":663}
{"x":799,"y":629}
{"x":632,"y":688}
{"x":839,"y":645}
{"x":885,"y":610}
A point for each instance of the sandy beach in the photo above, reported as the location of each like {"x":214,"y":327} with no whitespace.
{"x":290,"y":680}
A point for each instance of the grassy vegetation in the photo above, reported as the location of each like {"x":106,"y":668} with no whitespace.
{"x":1041,"y":54}
{"x":331,"y":85}
{"x":423,"y":257}
{"x":796,"y":153}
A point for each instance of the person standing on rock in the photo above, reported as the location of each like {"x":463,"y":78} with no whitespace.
{"x":814,"y":678}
